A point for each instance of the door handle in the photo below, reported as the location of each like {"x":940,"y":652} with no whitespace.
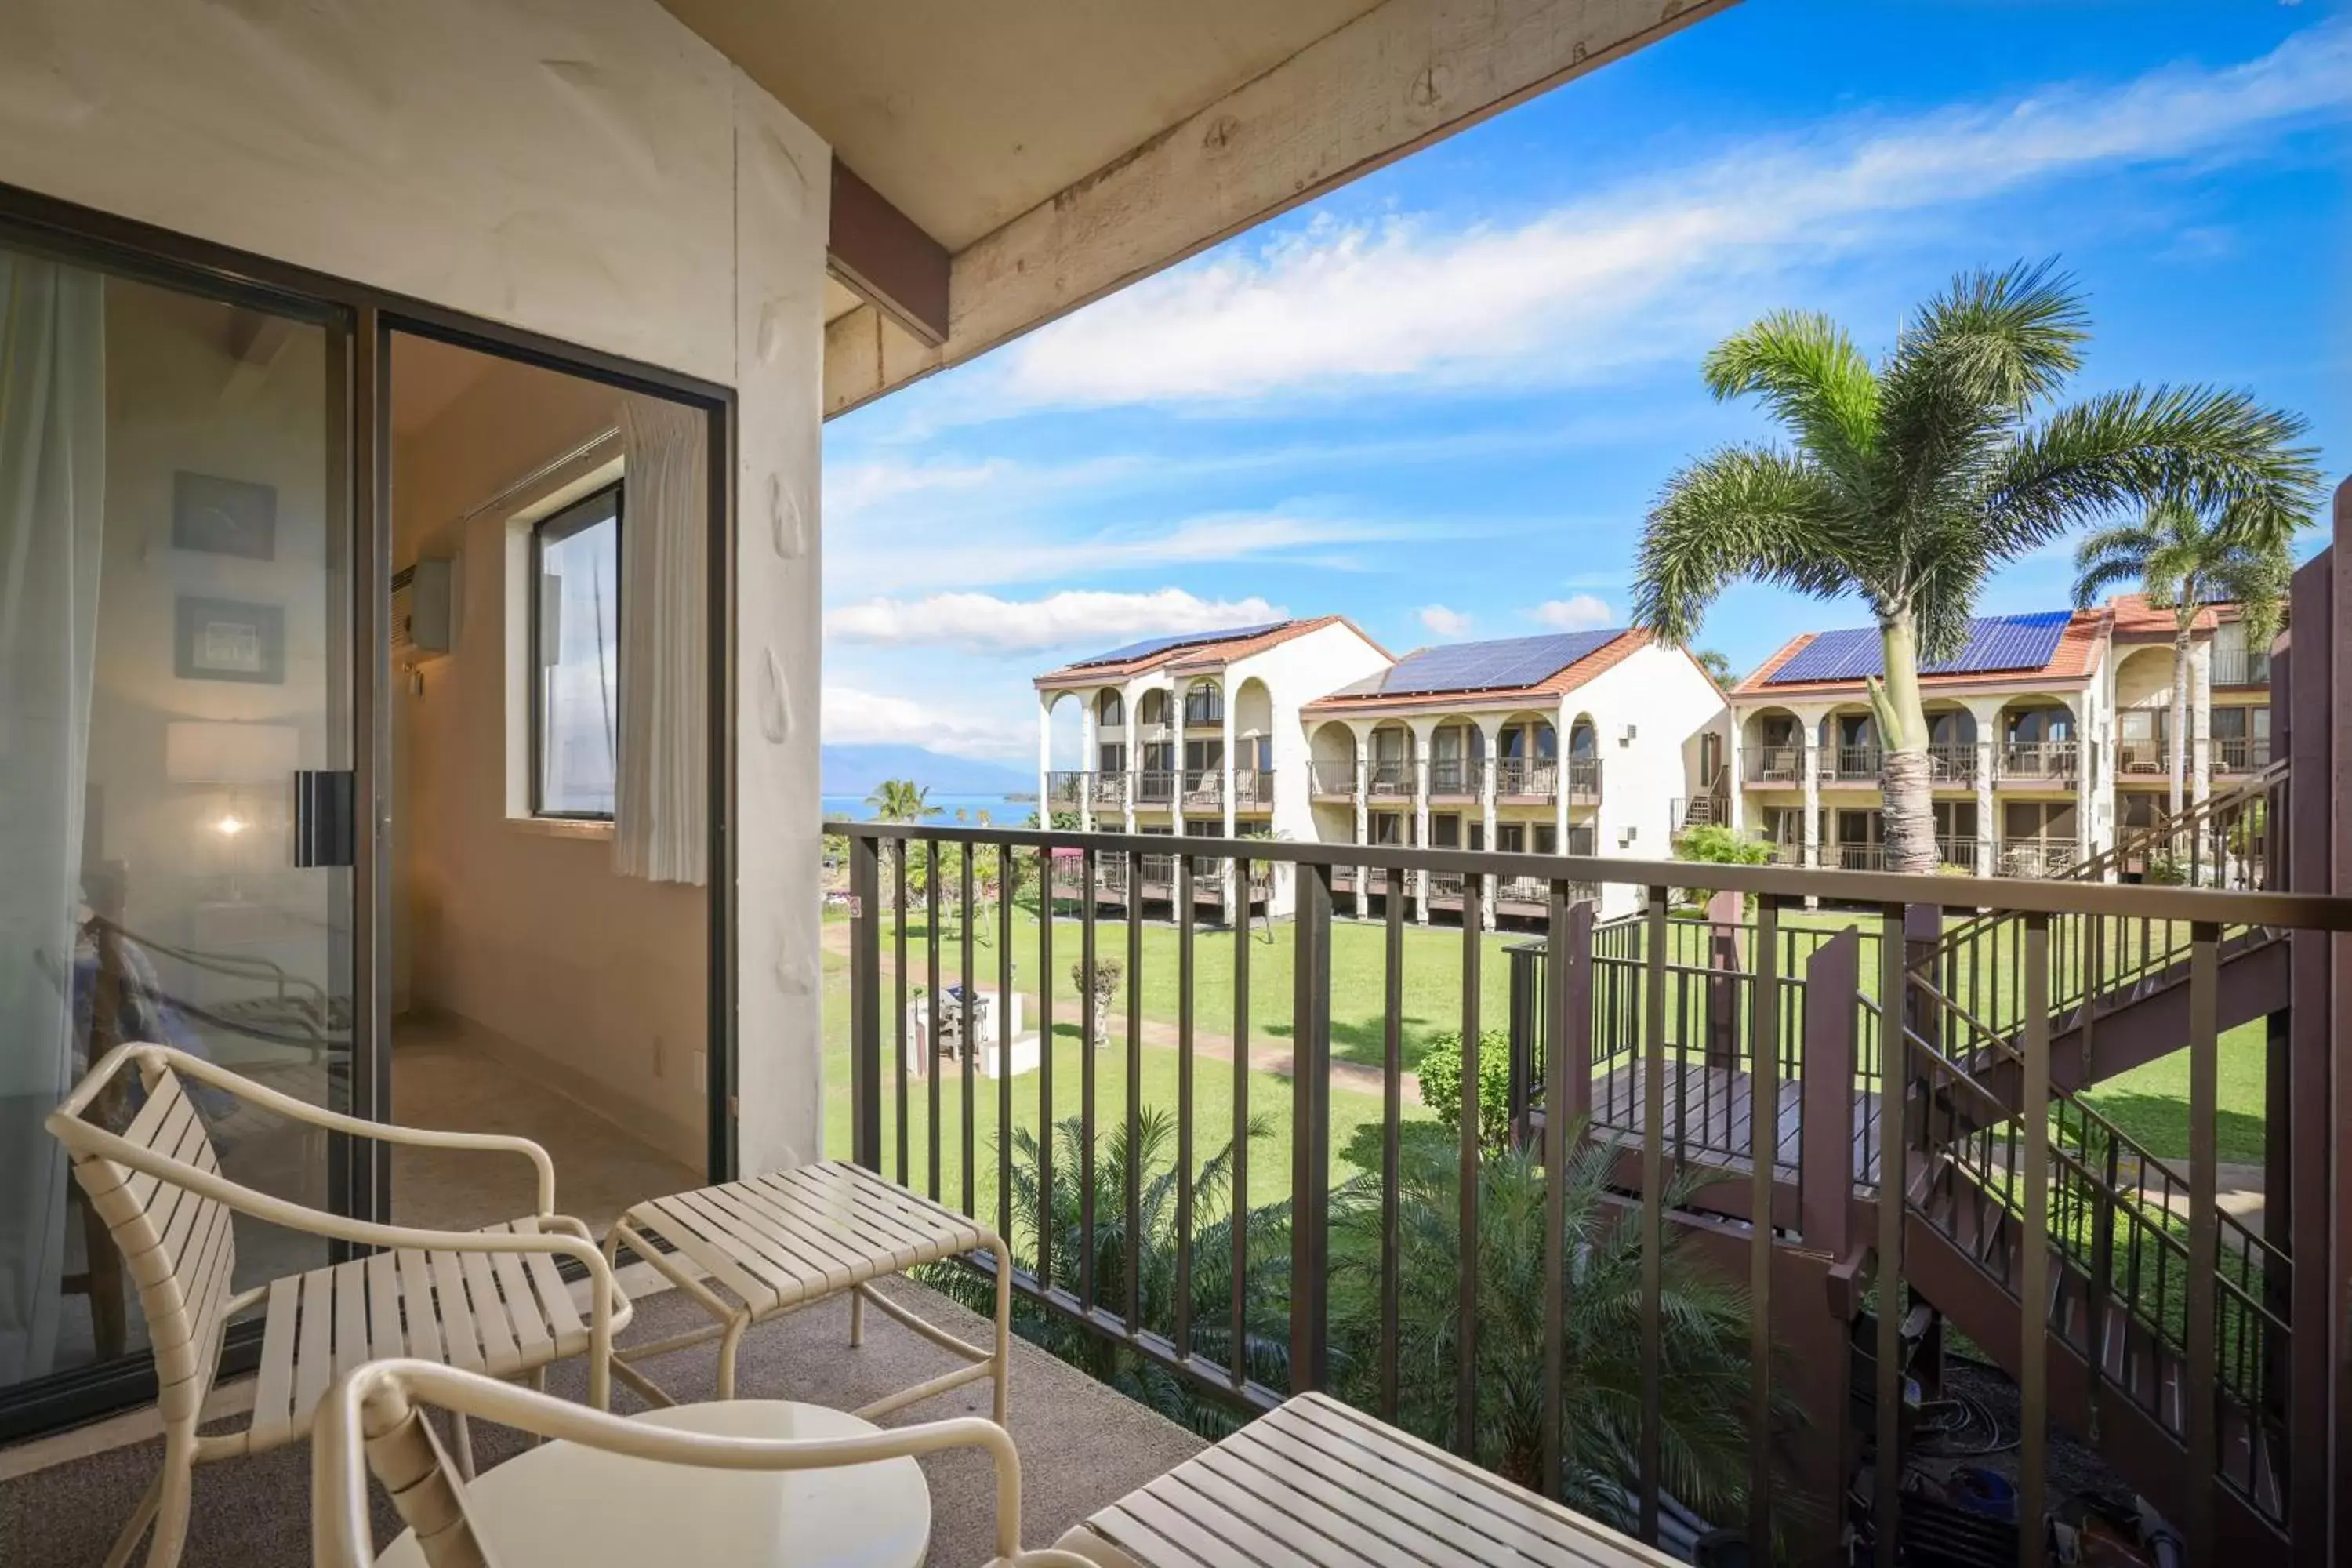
{"x":324,"y":824}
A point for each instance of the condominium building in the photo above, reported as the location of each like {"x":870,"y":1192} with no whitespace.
{"x":2048,"y":733}
{"x":1585,"y":742}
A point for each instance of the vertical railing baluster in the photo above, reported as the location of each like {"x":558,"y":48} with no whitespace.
{"x":1090,"y":1011}
{"x":1006,"y":867}
{"x":1045,"y":1047}
{"x":865,"y":1002}
{"x":1568,"y":1036}
{"x":1310,"y":1106}
{"x":1894,"y":1152}
{"x":2033,"y":1274}
{"x":932,"y":1003}
{"x":898,"y":992}
{"x":2200,"y":1413}
{"x":1184,"y":923}
{"x":1391,"y":1131}
{"x":1465,"y":1369}
{"x":1238,"y":1207}
{"x":1653,"y":1211}
{"x":1131,"y":1265}
{"x":967,"y":1030}
{"x":1764,"y":1160}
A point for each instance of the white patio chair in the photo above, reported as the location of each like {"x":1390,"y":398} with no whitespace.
{"x":491,"y":1300}
{"x":570,"y":1505}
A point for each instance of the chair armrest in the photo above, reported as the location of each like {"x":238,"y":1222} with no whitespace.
{"x":253,"y":1093}
{"x":372,"y":1404}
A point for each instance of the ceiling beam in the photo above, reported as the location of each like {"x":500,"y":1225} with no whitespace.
{"x":1395,"y":79}
{"x":879,"y":252}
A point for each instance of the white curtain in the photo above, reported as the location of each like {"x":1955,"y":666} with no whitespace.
{"x":52,"y":476}
{"x":661,"y":809}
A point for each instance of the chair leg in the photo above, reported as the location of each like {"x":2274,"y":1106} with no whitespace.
{"x":136,"y":1526}
{"x":461,"y":1445}
{"x":728,"y":1344}
{"x":857,"y":1316}
{"x":174,"y":1495}
{"x":1004,"y":1368}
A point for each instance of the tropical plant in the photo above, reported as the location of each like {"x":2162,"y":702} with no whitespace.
{"x":1703,"y":1329}
{"x":1908,"y":481}
{"x":1440,"y":1071}
{"x":1716,"y":844}
{"x":1717,"y":665}
{"x":902,"y":800}
{"x":1103,"y":982}
{"x":1266,"y":1278}
{"x":2185,"y":562}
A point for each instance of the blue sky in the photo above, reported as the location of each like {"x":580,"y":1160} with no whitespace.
{"x":1440,"y":400}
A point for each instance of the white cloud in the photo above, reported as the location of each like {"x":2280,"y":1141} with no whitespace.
{"x":1443,"y":622}
{"x":1577,"y":613}
{"x":1642,"y":271}
{"x":853,"y":717}
{"x":985,"y":624}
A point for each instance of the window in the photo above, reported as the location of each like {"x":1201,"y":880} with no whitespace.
{"x":1204,"y":705}
{"x":1548,"y":839}
{"x":1110,"y":757}
{"x":1951,"y":727}
{"x":1445,"y":832}
{"x":1581,"y":741}
{"x":575,"y":568}
{"x":1203,"y":756}
{"x":1109,"y":712}
{"x":1511,"y":837}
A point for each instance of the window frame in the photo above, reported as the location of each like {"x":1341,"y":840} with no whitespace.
{"x":582,"y":514}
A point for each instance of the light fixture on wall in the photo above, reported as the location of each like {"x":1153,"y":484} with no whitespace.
{"x":1627,"y":738}
{"x":246,"y":760}
{"x":1625,"y":838}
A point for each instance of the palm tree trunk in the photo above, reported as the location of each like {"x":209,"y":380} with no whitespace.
{"x":2180,"y":659}
{"x":1904,"y":783}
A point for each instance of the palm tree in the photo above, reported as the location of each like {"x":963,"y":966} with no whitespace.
{"x":901,"y":800}
{"x":2183,"y":562}
{"x":1717,"y":663}
{"x":1704,"y":1394}
{"x":1908,"y":481}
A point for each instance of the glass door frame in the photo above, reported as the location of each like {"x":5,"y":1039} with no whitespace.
{"x":360,"y":320}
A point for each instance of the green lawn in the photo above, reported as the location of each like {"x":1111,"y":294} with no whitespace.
{"x":2151,"y":1103}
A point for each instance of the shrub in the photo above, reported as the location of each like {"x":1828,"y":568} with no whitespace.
{"x":1108,"y":973}
{"x":2166,"y":869}
{"x":1441,"y":1084}
{"x":1716,"y":844}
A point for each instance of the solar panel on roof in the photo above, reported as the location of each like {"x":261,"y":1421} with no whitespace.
{"x":1994,"y":643}
{"x":1490,"y":665}
{"x":1162,"y":644}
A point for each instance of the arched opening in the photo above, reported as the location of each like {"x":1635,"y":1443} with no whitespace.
{"x":1526,"y":757}
{"x":1253,"y":746}
{"x":1151,"y":710}
{"x":1155,"y":752}
{"x":1065,"y":759}
{"x":2039,"y":740}
{"x":1110,"y":710}
{"x":1849,"y":743}
{"x":1332,"y":761}
{"x":2143,"y":715}
{"x":1204,"y":705}
{"x":1951,"y":744}
{"x":1457,"y":756}
{"x":1774,"y":741}
{"x":1583,"y":759}
{"x":1390,"y":766}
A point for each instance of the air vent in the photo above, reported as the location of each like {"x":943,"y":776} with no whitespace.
{"x":422,"y":614}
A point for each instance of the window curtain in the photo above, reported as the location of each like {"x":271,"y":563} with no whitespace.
{"x":52,"y":477}
{"x":661,"y":806}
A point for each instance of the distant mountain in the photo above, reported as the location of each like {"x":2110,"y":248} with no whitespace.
{"x":855,"y":770}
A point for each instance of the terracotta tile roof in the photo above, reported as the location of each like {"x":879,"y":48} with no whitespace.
{"x":1557,"y":685}
{"x":1194,"y":655}
{"x":2135,"y":615}
{"x":2076,"y":657}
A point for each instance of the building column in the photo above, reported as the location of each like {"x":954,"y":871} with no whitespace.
{"x":1985,"y":713}
{"x":1363,"y":815}
{"x":1089,"y":756}
{"x":1421,"y":729}
{"x":1129,"y":697}
{"x":1489,"y":731}
{"x":2088,"y":753}
{"x":1809,"y":733}
{"x":1045,"y":757}
{"x":1236,"y":889}
{"x":2200,"y":722}
{"x":1563,"y":796}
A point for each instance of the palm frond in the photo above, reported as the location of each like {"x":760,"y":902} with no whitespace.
{"x":1815,"y":381}
{"x":1740,"y":512}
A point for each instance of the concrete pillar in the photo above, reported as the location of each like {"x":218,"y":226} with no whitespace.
{"x":1489,"y":731}
{"x":1986,"y":712}
{"x":2200,"y":722}
{"x":1089,"y":759}
{"x":1133,"y":699}
{"x":1236,"y":892}
{"x":1363,"y":737}
{"x":1045,"y":756}
{"x":2090,"y":753}
{"x":1809,"y":733}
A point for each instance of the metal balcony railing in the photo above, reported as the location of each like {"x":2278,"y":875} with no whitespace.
{"x":1953,"y":763}
{"x":2044,"y":858}
{"x":1516,"y":778}
{"x":1389,"y":777}
{"x":1584,"y":780}
{"x":1254,"y":789}
{"x":1203,"y":788}
{"x":1457,"y":777}
{"x":1851,"y":765}
{"x":1065,"y":788}
{"x":1776,"y":766}
{"x":2041,"y":760}
{"x":1330,"y":779}
{"x":2240,"y":753}
{"x":2143,"y":759}
{"x":1959,"y":852}
{"x":1765,"y":1035}
{"x":1110,"y":790}
{"x":1854,"y":857}
{"x":1155,"y":786}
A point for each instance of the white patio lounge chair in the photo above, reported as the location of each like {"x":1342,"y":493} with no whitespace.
{"x":490,"y":1300}
{"x":715,"y":1483}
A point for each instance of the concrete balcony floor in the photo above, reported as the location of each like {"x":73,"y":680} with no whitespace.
{"x":1082,"y":1445}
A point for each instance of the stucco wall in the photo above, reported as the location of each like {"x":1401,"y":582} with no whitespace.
{"x":1667,"y":699}
{"x":592,"y":171}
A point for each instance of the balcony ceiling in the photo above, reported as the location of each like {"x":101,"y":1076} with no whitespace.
{"x":967,"y":113}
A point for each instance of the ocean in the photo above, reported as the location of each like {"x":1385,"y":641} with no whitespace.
{"x":1002,"y":810}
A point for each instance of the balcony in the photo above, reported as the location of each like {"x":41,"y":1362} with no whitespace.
{"x":1959,"y":852}
{"x":1851,"y":765}
{"x":2040,"y":761}
{"x":1204,"y":789}
{"x":2143,"y":759}
{"x":2045,"y":857}
{"x":1584,"y":780}
{"x":2241,"y":666}
{"x":1066,"y":789}
{"x":1771,"y":765}
{"x":1295,"y":1022}
{"x":1952,"y":764}
{"x":1332,"y":781}
{"x":1458,"y":778}
{"x":1155,"y":786}
{"x":1110,"y":792}
{"x":2240,"y":753}
{"x":1254,"y":789}
{"x":1390,"y":778}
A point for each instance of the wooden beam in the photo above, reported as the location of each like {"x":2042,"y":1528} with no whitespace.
{"x":1395,"y":79}
{"x":867,"y":353}
{"x":878,"y":251}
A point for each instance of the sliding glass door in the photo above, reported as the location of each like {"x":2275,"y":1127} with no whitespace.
{"x":176,"y":746}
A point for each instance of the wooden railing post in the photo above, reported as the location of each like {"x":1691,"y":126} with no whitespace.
{"x":1310,"y":1127}
{"x":1826,"y":1173}
{"x":866,"y":1001}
